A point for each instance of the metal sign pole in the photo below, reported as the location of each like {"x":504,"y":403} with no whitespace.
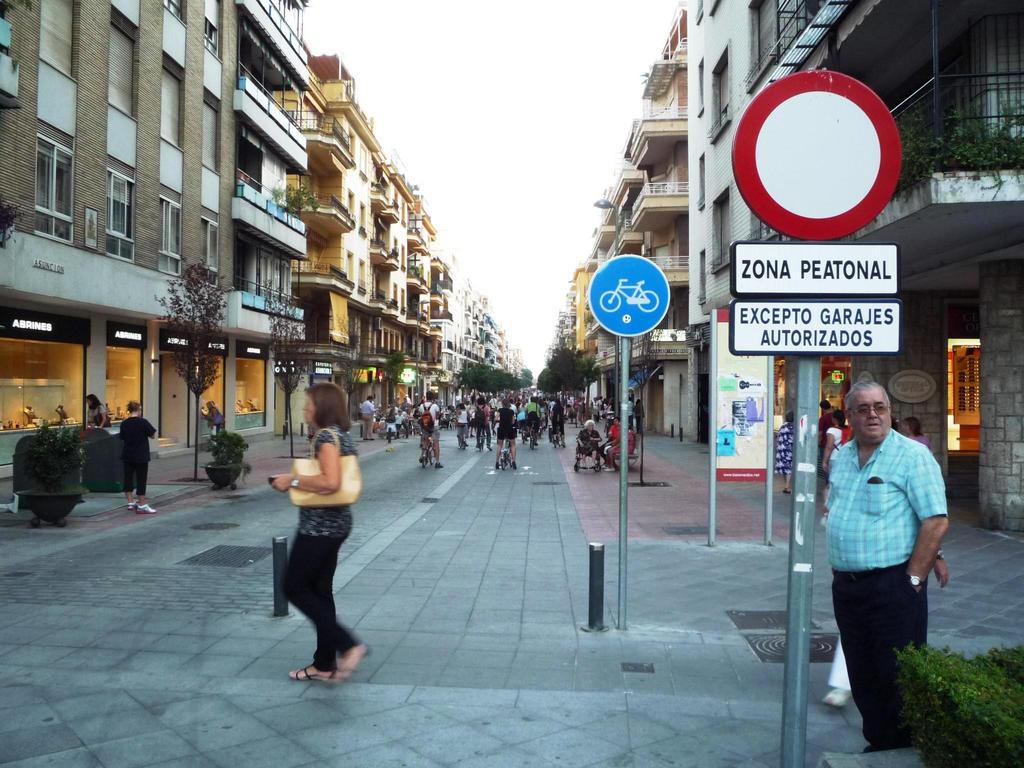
{"x":625,"y":356}
{"x":713,"y":430}
{"x":769,"y":426}
{"x":801,"y":559}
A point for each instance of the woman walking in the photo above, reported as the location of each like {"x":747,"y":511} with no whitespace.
{"x":784,"y":452}
{"x":322,"y":531}
{"x":135,"y":433}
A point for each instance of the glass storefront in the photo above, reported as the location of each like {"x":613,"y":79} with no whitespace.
{"x":42,"y":374}
{"x":250,"y":384}
{"x":214,"y":392}
{"x":125,"y":346}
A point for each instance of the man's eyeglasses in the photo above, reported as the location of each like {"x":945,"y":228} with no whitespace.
{"x":865,"y":410}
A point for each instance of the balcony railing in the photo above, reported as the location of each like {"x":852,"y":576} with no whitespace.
{"x":251,"y":190}
{"x":324,"y":124}
{"x":672,"y":262}
{"x":330,"y":201}
{"x":263,"y":298}
{"x":674,"y":112}
{"x":661,"y":189}
{"x":441,"y":284}
{"x":379,"y":295}
{"x":279,"y":21}
{"x":247,"y":82}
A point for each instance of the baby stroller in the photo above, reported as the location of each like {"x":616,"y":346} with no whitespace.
{"x":585,"y":454}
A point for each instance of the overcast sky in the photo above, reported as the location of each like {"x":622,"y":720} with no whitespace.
{"x":510,"y":117}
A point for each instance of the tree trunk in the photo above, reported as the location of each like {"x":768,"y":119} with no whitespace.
{"x":195,"y":463}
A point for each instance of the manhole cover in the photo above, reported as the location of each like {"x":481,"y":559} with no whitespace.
{"x":635,"y":666}
{"x":772,"y":648}
{"x":17,"y":574}
{"x":685,"y":530}
{"x":214,"y":526}
{"x":649,"y":484}
{"x":547,"y":482}
{"x":760,"y":619}
{"x":429,"y":500}
{"x":228,"y":557}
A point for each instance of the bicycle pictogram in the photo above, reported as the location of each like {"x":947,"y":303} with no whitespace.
{"x":632,"y":293}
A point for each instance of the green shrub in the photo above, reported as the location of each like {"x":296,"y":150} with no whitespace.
{"x":227,"y":448}
{"x":964,"y":712}
{"x":55,"y":456}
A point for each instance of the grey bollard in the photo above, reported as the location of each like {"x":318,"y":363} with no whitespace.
{"x":280,"y":564}
{"x":595,"y":619}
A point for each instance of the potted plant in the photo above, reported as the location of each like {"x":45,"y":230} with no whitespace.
{"x":54,"y":464}
{"x":228,"y":453}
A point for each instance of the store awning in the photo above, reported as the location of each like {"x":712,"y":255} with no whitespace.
{"x":339,"y":318}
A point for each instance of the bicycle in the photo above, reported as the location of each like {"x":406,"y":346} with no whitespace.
{"x":633,"y":295}
{"x":505,"y":457}
{"x":426,"y":451}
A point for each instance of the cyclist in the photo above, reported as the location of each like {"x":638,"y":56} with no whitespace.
{"x":533,"y":418}
{"x":557,"y":423}
{"x":506,"y":431}
{"x":521,"y":419}
{"x":429,"y":415}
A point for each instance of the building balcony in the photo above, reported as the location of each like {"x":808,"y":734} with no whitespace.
{"x":676,"y":268}
{"x":265,"y":116}
{"x":382,"y":258}
{"x":320,"y":274}
{"x":659,"y":204}
{"x":441,"y":285}
{"x":9,"y":69}
{"x":378,"y":298}
{"x":266,"y":220}
{"x":392,"y":308}
{"x":436,"y":330}
{"x":666,"y":344}
{"x":436,"y":302}
{"x":631,"y":241}
{"x":328,"y":146}
{"x":329,"y":217}
{"x":282,"y":38}
{"x":417,"y":242}
{"x":605,"y":235}
{"x":444,"y":314}
{"x":655,"y":135}
{"x":384,"y":208}
{"x":415,"y":282}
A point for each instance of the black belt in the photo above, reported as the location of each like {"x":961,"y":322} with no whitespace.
{"x":862,"y":575}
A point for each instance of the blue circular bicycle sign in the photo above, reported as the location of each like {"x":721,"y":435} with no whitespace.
{"x":629,"y":295}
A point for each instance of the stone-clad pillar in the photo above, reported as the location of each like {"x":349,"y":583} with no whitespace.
{"x":1001,"y":464}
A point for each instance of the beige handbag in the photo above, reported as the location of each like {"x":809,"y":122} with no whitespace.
{"x":348,"y":492}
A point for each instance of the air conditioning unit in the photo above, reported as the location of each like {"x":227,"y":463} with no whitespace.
{"x":378,"y":323}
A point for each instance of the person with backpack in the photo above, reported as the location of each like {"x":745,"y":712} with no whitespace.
{"x":429,"y":418}
{"x":482,"y":419}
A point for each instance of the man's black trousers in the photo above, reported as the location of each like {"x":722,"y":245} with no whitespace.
{"x":879,"y":612}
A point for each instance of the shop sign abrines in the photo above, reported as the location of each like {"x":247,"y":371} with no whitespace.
{"x":170,"y":342}
{"x":37,"y":326}
{"x":122,"y":335}
{"x":250,"y":350}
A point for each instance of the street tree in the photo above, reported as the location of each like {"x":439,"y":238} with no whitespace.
{"x":194,"y":308}
{"x":547,"y":381}
{"x":287,"y":338}
{"x":526,"y":378}
{"x":562,"y":364}
{"x":393,"y":366}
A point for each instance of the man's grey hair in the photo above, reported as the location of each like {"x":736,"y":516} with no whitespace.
{"x":863,"y":386}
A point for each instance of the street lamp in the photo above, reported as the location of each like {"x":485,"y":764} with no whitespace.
{"x":604,"y":204}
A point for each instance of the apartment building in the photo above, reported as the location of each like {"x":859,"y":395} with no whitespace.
{"x":956,"y":214}
{"x":112,"y":200}
{"x":646,"y":213}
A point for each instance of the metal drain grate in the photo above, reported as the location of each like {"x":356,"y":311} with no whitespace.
{"x":760,"y":619}
{"x":214,"y":526}
{"x":636,"y":666}
{"x":771,"y":649}
{"x":429,"y":500}
{"x":224,"y":556}
{"x":547,"y":482}
{"x":649,"y":484}
{"x":686,"y":530}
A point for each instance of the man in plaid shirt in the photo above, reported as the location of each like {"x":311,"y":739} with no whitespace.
{"x":887,"y":517}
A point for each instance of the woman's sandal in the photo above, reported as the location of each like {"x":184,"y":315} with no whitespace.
{"x":304,"y":675}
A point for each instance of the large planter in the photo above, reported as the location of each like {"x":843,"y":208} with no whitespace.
{"x":223,"y":475}
{"x":52,"y":508}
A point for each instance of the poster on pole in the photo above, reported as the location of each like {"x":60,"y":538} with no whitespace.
{"x":743,"y":411}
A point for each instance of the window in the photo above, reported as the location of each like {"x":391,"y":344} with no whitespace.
{"x":764,"y":33}
{"x":174,"y":6}
{"x":720,"y":88}
{"x":700,"y":183}
{"x":53,"y":190}
{"x":120,"y":67}
{"x":722,"y":230}
{"x":210,"y":137}
{"x":700,"y":88}
{"x":211,"y":246}
{"x":55,"y":33}
{"x":170,"y":99}
{"x":120,"y":209}
{"x":170,"y":237}
{"x":702,"y":295}
{"x":210,"y":35}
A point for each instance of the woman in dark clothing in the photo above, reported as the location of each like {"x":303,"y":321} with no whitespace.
{"x":135,"y":434}
{"x":314,"y":556}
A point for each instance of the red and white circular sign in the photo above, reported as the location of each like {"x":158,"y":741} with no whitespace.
{"x":816,"y":155}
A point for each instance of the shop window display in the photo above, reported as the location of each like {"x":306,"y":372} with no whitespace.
{"x":40,"y":382}
{"x":124,"y":381}
{"x":215,"y":393}
{"x":250,"y":391}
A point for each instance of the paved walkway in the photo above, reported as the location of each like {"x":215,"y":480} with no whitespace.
{"x":469,"y":584}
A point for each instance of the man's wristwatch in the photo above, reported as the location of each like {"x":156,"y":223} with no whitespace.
{"x":295,"y":482}
{"x":915,"y":581}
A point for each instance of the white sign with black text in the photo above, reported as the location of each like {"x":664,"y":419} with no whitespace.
{"x":816,"y":327}
{"x":761,"y":269}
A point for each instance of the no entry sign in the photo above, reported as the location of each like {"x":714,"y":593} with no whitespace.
{"x":816,"y":155}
